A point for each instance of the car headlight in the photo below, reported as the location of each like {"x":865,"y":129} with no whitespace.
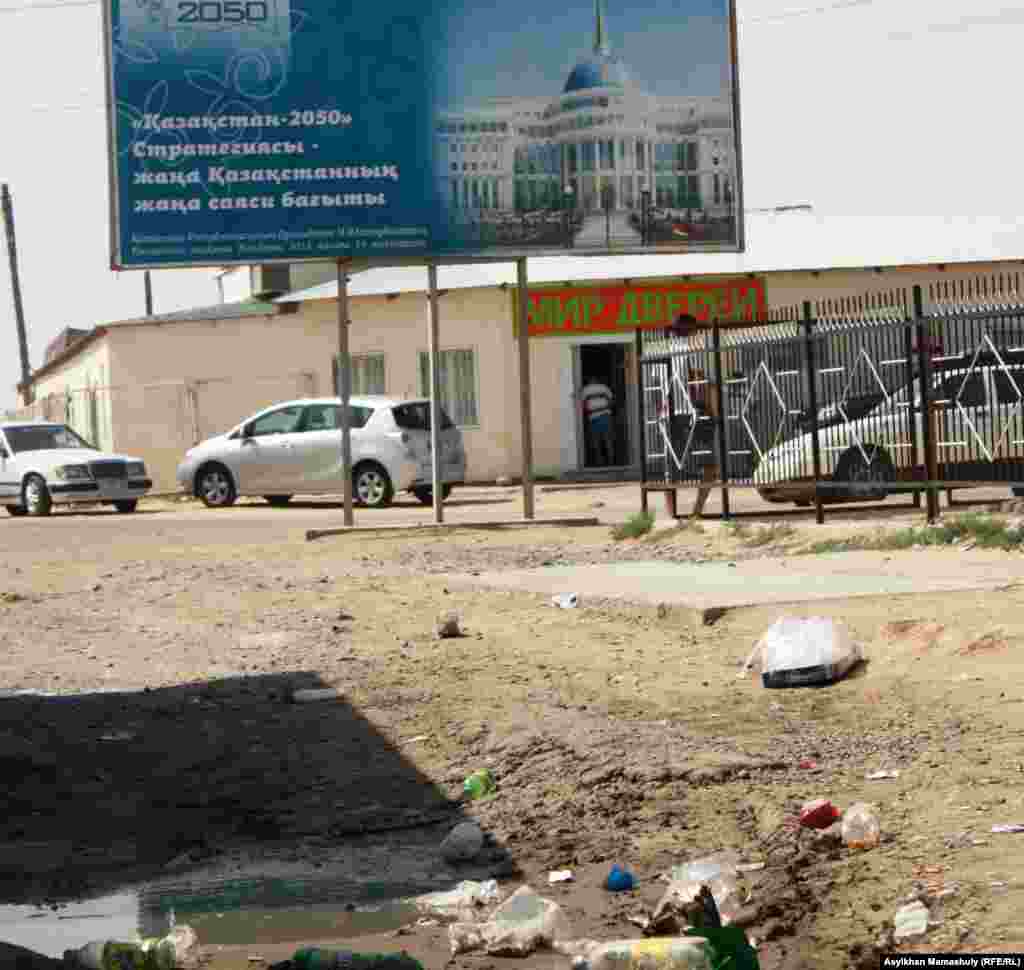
{"x":135,"y":469}
{"x":71,"y":473}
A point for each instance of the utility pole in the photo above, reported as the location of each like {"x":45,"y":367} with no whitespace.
{"x":19,"y":314}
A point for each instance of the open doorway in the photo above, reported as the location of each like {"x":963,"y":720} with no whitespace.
{"x":606,"y":365}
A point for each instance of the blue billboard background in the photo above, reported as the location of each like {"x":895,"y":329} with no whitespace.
{"x":256,"y":130}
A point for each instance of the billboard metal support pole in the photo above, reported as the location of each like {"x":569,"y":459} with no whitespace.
{"x":812,"y":403}
{"x":435,"y":397}
{"x":148,"y":282}
{"x":525,"y":414}
{"x":344,"y":391}
{"x":7,"y":215}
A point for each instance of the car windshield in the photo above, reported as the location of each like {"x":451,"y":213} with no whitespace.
{"x":45,"y":437}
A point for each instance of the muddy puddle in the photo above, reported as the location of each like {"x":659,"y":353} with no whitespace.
{"x":222,"y":911}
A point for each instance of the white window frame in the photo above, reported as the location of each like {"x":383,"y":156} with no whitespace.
{"x":425,"y":391}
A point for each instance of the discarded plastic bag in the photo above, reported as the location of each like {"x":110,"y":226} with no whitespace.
{"x":819,"y":814}
{"x":523,"y":923}
{"x":800,"y":651}
{"x":566,"y":601}
{"x":676,"y":909}
{"x":460,"y":902}
{"x":320,"y":958}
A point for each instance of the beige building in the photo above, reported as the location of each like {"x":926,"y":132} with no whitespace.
{"x":155,"y":386}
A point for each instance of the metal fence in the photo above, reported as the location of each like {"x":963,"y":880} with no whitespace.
{"x":900,"y":391}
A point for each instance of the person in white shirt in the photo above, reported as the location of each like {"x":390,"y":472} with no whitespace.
{"x":598,"y":403}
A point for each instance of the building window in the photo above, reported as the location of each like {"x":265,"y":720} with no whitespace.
{"x":718,"y":189}
{"x":607,"y":155}
{"x":456,"y":385}
{"x":455,"y":166}
{"x":640,"y":154}
{"x":367,"y":374}
{"x":691,"y":156}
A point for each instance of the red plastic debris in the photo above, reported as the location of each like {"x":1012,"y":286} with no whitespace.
{"x":808,"y":764}
{"x":819,"y":814}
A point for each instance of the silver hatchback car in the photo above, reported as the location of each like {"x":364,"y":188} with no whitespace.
{"x":294,"y":448}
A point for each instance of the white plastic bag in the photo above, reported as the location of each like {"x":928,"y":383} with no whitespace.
{"x":523,"y":923}
{"x":669,"y":953}
{"x":795,"y":651}
{"x":460,"y":902}
{"x":717,"y":872}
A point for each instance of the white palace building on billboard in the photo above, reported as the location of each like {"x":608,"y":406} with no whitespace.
{"x":598,"y":144}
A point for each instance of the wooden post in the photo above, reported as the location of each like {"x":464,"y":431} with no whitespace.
{"x":344,"y":392}
{"x":525,"y":412}
{"x":435,"y":396}
{"x":7,"y":217}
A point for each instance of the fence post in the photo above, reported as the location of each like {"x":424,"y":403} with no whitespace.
{"x":927,"y":407}
{"x":639,"y":351}
{"x":720,"y":425}
{"x":915,"y":438}
{"x":812,"y":401}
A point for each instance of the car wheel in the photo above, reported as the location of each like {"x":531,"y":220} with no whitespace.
{"x":215,"y":487}
{"x":278,"y":500}
{"x":17,"y":510}
{"x":35,"y":496}
{"x":1018,"y":492}
{"x":371,"y":485}
{"x":128,"y":505}
{"x":426,"y":493}
{"x":871,"y":476}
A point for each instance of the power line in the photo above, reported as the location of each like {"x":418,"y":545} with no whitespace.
{"x":806,"y":11}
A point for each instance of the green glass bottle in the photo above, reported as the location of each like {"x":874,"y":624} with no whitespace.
{"x":318,"y":958}
{"x":478,"y":784}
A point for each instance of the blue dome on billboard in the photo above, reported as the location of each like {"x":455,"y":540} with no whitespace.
{"x":600,"y":71}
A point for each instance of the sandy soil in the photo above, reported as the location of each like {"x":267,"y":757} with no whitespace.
{"x":617,"y":733}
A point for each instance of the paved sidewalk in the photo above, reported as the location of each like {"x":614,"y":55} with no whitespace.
{"x":762,"y":582}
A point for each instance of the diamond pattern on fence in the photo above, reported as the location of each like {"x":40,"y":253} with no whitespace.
{"x":763,"y":378}
{"x":1015,"y":411}
{"x":842,"y":406}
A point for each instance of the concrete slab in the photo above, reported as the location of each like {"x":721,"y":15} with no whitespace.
{"x":761,"y":582}
{"x":566,"y":521}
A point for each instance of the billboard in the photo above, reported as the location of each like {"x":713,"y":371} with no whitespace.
{"x":246,"y":131}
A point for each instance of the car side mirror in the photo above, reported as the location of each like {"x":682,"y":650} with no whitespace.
{"x":3,"y":453}
{"x":246,"y":431}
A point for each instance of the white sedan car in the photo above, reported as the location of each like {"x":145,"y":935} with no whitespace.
{"x":294,"y":448}
{"x":42,"y":465}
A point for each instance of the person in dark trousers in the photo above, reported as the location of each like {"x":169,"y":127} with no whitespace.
{"x":598,"y":404}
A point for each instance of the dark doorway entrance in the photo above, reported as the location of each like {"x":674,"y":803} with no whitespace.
{"x":605,"y":364}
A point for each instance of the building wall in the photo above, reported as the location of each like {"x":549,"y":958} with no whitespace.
{"x":478,"y":320}
{"x":74,"y":392}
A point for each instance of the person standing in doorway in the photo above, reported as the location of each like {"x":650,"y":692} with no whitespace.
{"x":598,"y":404}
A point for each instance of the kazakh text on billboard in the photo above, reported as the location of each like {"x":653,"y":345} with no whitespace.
{"x":246,"y":131}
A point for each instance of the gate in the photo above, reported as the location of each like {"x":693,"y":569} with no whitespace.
{"x":854,"y":400}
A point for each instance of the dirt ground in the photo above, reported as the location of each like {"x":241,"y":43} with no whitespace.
{"x":616,"y":733}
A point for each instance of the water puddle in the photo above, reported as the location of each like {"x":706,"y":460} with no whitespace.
{"x":222,"y":912}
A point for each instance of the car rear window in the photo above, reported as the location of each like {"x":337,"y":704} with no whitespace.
{"x":416,"y":417}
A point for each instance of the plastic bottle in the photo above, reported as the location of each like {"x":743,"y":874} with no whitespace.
{"x":860,"y":828}
{"x":664,"y":953}
{"x":156,"y":953}
{"x":478,"y":784}
{"x":114,"y":955}
{"x":317,"y":958}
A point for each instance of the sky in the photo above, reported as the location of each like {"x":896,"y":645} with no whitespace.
{"x":894,"y":119}
{"x":671,"y":47}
